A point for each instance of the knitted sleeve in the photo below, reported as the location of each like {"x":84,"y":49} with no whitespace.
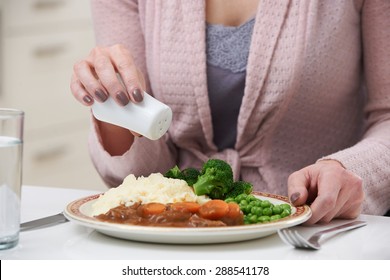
{"x":118,"y":22}
{"x":370,"y":158}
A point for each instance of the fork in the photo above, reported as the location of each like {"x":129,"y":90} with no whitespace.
{"x":292,"y":237}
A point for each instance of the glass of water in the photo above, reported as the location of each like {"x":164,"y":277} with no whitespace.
{"x":11,"y":145}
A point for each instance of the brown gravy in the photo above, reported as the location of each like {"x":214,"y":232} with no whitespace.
{"x":169,"y":217}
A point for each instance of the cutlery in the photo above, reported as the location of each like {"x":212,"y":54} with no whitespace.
{"x":43,"y":222}
{"x":292,"y":237}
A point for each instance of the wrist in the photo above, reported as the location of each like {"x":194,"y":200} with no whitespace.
{"x":115,"y":139}
{"x":331,"y":161}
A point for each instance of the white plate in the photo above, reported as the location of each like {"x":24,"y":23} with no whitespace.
{"x":79,"y":211}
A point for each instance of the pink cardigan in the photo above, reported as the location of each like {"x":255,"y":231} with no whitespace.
{"x":307,"y":94}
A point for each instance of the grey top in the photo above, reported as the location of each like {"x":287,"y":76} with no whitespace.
{"x":227,"y":56}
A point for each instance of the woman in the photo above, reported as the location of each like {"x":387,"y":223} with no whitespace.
{"x":293,"y":94}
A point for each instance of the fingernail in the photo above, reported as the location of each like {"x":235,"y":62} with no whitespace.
{"x":101,"y":96}
{"x":294,"y":197}
{"x":122,"y":98}
{"x":87,"y":99}
{"x":137,"y":95}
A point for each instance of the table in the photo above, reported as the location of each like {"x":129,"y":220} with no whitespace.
{"x":69,"y":241}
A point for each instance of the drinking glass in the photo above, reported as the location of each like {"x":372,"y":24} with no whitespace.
{"x":11,"y":146}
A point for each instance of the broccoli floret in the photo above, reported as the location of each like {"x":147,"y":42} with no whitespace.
{"x":191,"y":175}
{"x":215,"y":180}
{"x":240,"y":187}
{"x":174,"y":173}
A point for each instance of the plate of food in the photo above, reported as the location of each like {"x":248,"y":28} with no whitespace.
{"x":158,"y":209}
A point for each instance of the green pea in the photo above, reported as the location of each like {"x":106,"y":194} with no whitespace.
{"x":267,"y":211}
{"x":251,"y":197}
{"x":243,"y":209}
{"x":285,"y":213}
{"x":230,"y":199}
{"x":265,"y":204}
{"x":285,"y":206}
{"x":253,"y":209}
{"x":246,"y":209}
{"x":241,"y":197}
{"x":257,"y":210}
{"x":253,"y":203}
{"x":243,"y":202}
{"x":263,"y":219}
{"x":246,"y":220}
{"x":275,"y":218}
{"x":258,"y":203}
{"x":253,"y":219}
{"x":277,"y":210}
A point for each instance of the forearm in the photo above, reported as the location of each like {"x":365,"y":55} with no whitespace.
{"x":143,"y":157}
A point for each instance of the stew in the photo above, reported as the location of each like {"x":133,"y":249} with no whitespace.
{"x":214,"y":213}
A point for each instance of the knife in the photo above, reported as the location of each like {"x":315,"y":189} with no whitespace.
{"x":44,"y":222}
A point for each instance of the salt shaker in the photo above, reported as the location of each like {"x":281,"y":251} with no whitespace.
{"x":150,"y":118}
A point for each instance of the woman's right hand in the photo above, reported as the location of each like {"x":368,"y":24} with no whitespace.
{"x":96,"y":77}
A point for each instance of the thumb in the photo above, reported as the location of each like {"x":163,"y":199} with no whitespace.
{"x":297,"y":187}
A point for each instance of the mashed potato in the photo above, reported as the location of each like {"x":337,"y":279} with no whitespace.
{"x":154,"y":188}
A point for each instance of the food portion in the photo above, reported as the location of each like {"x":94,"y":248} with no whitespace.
{"x":256,"y":210}
{"x":215,"y":179}
{"x":213,"y":213}
{"x":187,"y":198}
{"x":154,"y":188}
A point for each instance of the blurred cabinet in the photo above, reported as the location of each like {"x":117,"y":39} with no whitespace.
{"x":40,"y":41}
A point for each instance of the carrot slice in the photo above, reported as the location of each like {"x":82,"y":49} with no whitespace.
{"x":234,"y":211}
{"x":191,"y":207}
{"x":214,"y":209}
{"x":153,"y":208}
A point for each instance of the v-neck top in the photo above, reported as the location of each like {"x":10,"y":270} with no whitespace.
{"x":227,"y":56}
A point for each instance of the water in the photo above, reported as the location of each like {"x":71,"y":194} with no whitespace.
{"x":10,"y":188}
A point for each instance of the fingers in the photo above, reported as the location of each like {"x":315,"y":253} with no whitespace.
{"x":350,"y":199}
{"x":299,"y":184}
{"x":129,"y":74}
{"x":79,"y":92}
{"x":84,"y":77}
{"x":327,"y":201}
{"x":303,"y":189}
{"x":107,"y":72}
{"x":337,"y":192}
{"x":353,"y":212}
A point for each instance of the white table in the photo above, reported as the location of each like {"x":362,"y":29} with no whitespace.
{"x":71,"y":241}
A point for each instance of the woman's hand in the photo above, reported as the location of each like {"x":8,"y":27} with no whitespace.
{"x":109,"y":72}
{"x":330,"y":189}
{"x":96,"y":77}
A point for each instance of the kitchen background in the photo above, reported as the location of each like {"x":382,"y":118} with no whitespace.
{"x":39,"y":42}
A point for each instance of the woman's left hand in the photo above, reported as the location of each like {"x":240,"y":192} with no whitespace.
{"x":329,"y":189}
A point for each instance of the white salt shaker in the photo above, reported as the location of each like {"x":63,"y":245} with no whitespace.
{"x":150,"y":118}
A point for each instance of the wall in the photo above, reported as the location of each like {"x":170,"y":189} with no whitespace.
{"x":40,"y":41}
